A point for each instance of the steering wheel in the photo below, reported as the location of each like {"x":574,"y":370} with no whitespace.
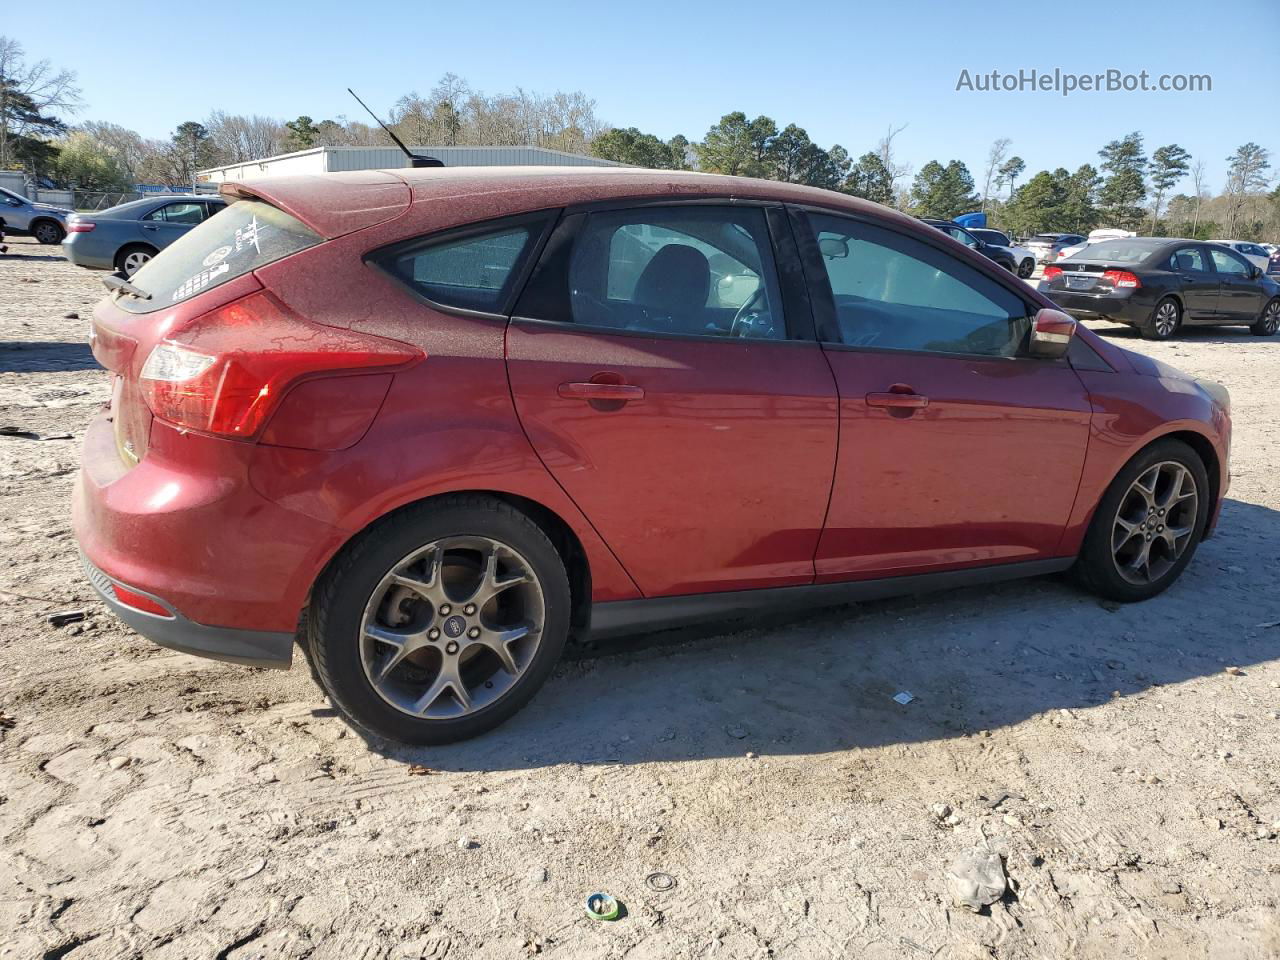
{"x":748,"y":315}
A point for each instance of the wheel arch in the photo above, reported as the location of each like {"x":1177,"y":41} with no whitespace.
{"x":1208,"y":455}
{"x":561,"y":534}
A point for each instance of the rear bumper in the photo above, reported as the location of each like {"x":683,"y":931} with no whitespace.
{"x":1124,"y":307}
{"x":186,"y":528}
{"x":253,"y":648}
{"x":83,"y":251}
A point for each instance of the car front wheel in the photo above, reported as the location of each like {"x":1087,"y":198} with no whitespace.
{"x":1268,"y":321}
{"x":438,"y":624}
{"x":1026,"y":268}
{"x":1148,"y":524}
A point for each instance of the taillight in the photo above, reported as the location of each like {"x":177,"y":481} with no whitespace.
{"x":1051,"y":272}
{"x":80,"y":227}
{"x":225,"y":373}
{"x":1122,"y":278}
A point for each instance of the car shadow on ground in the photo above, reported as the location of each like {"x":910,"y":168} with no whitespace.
{"x":27,"y":356}
{"x":31,"y":257}
{"x":1122,"y":331}
{"x":976,"y":659}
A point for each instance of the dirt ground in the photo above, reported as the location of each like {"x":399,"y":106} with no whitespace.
{"x":159,"y":805}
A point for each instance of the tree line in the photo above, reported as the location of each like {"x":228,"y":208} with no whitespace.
{"x":1127,"y":188}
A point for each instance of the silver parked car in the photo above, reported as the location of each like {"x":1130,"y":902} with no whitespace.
{"x":125,"y":237}
{"x":43,"y":221}
{"x":1047,"y":246}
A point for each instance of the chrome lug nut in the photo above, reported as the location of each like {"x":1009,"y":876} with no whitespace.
{"x":473,"y":632}
{"x":445,"y":610}
{"x":469,"y":609}
{"x":433,"y":634}
{"x":451,"y":647}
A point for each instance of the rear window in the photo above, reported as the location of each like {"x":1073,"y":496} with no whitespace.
{"x":1120,"y":251}
{"x":246,"y":235}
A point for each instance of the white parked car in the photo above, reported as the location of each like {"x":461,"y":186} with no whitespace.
{"x":1253,"y":252}
{"x":1095,"y":236}
{"x":1024,"y":257}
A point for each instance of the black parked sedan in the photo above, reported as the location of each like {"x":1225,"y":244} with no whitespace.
{"x":1157,"y":285}
{"x":1001,"y":255}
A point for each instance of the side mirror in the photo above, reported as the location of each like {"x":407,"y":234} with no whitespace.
{"x":1051,"y":334}
{"x":13,"y":201}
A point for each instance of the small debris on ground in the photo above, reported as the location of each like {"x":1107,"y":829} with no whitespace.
{"x":117,"y":763}
{"x":903,"y":697}
{"x":660,"y":882}
{"x":418,"y":770}
{"x":466,"y":843}
{"x":1235,"y":671}
{"x":7,"y":430}
{"x":736,"y":731}
{"x":976,"y":879}
{"x":64,"y":617}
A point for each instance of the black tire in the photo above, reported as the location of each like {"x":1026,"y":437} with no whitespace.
{"x":1096,"y":568}
{"x":1156,"y":326}
{"x":1026,"y":268}
{"x":335,"y":616}
{"x":48,"y":232}
{"x":1008,"y":265}
{"x":1268,"y":321}
{"x":124,"y":253}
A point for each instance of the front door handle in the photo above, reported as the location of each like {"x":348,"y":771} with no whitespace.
{"x":899,"y":396}
{"x":148,"y":227}
{"x":616,"y":392}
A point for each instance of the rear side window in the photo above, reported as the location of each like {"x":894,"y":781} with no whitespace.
{"x":190,"y":213}
{"x":475,"y":268}
{"x":249,"y":234}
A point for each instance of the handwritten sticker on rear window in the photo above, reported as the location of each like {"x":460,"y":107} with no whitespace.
{"x":199,"y":282}
{"x":217,"y":256}
{"x":247,"y":236}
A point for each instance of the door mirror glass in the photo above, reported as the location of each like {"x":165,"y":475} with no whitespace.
{"x":833,"y":248}
{"x":1051,"y":334}
{"x":13,"y":201}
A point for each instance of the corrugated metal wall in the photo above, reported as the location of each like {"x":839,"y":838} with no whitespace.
{"x":379,"y":158}
{"x":322,"y":159}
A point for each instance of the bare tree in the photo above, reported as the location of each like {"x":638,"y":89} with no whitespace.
{"x":995,"y":157}
{"x":896,"y":170}
{"x":238,"y":138}
{"x":28,"y":89}
{"x":1197,"y":180}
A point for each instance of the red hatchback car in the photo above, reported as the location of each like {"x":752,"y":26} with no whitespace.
{"x":448,"y":420}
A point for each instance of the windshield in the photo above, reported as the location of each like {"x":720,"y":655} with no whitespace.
{"x":245,"y":236}
{"x":1119,"y":251}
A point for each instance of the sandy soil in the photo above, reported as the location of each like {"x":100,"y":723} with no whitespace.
{"x":158,"y":805}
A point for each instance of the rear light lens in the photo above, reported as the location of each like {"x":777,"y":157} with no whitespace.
{"x":139,"y":601}
{"x":1051,"y":272}
{"x":226,"y":372}
{"x":1122,"y":279}
{"x":80,"y":227}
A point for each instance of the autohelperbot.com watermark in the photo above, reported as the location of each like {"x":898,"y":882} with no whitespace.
{"x":1065,"y":83}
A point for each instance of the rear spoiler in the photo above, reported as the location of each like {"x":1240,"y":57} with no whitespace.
{"x":332,"y":204}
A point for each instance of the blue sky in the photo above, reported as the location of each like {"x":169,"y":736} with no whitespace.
{"x":845,"y":71}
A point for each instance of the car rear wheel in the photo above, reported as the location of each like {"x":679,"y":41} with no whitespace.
{"x":48,"y":232}
{"x":131,"y":259}
{"x":1148,"y":524}
{"x":1268,"y":321}
{"x":440,"y":623}
{"x":1164,"y":321}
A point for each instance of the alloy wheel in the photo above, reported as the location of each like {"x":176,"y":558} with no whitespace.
{"x":133,"y":262}
{"x":1154,"y":523}
{"x":1271,"y":318}
{"x":47,"y":233}
{"x":1166,"y":318}
{"x":452,"y":627}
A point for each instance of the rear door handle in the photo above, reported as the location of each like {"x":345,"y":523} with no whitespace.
{"x":623,"y":392}
{"x":900,"y":396}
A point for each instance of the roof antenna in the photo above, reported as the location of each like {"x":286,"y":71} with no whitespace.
{"x":414,"y":159}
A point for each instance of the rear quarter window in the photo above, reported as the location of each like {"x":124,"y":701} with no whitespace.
{"x":246,"y":235}
{"x":474,"y":269}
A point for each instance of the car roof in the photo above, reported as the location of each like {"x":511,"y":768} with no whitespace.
{"x":333,"y":204}
{"x":144,"y":203}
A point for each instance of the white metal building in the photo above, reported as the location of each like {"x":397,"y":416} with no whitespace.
{"x":330,"y":159}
